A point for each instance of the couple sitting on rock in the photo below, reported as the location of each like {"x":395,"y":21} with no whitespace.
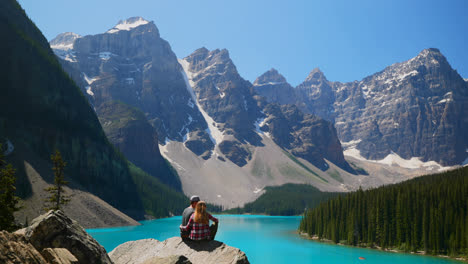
{"x":196,"y":221}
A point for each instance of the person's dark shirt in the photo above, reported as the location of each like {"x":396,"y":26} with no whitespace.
{"x":186,"y":215}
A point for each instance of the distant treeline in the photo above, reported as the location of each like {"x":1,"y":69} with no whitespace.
{"x":288,"y":199}
{"x":429,"y":213}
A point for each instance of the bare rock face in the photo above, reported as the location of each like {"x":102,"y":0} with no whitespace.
{"x":274,"y":87}
{"x":59,"y":256}
{"x":416,"y":108}
{"x":205,"y":252}
{"x":132,"y":64}
{"x":14,"y":248}
{"x":304,"y":135}
{"x":227,"y":98}
{"x":315,"y":95}
{"x":55,"y":230}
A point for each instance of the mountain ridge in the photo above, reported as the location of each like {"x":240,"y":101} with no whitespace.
{"x":430,"y":83}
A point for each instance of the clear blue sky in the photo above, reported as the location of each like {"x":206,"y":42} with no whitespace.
{"x":346,"y":39}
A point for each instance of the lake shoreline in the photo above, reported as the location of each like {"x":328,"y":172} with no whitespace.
{"x":422,"y":253}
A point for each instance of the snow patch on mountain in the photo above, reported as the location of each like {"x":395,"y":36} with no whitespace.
{"x":257,"y":190}
{"x":89,"y":91}
{"x":105,"y":55}
{"x":128,"y":24}
{"x":215,"y":134}
{"x":89,"y":80}
{"x":269,"y":83}
{"x":393,"y":159}
{"x":62,"y":46}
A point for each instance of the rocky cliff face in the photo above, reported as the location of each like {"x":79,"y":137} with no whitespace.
{"x":304,"y":135}
{"x":227,"y":99}
{"x":315,"y":95}
{"x":132,"y":64}
{"x":417,"y":108}
{"x":274,"y":87}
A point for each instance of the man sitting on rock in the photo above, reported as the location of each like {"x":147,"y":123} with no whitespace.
{"x":187,"y":214}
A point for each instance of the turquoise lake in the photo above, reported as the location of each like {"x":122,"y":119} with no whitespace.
{"x":265,"y":239}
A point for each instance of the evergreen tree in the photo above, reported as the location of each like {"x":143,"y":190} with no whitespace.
{"x":8,"y":200}
{"x":57,"y":197}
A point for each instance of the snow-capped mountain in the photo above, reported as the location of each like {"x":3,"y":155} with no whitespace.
{"x":62,"y":45}
{"x":414,"y":110}
{"x":212,"y":126}
{"x":64,"y":41}
{"x":133,"y":65}
{"x":227,"y":142}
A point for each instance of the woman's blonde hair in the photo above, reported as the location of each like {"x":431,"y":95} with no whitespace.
{"x":201,"y":216}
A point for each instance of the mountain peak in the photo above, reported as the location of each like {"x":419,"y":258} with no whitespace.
{"x":315,"y":75}
{"x":431,"y":56}
{"x":64,"y":41}
{"x":272,"y":76}
{"x":128,"y":24}
{"x":427,"y":51}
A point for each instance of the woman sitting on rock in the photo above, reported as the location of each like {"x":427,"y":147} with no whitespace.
{"x":199,"y":224}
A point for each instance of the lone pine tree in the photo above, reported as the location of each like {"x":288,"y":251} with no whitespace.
{"x":57,"y":197}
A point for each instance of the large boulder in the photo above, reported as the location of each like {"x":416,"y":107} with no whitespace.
{"x":205,"y":252}
{"x":15,"y":249}
{"x":56,"y":230}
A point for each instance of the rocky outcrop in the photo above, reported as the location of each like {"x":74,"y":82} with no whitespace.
{"x":205,"y":252}
{"x":50,"y":239}
{"x":14,"y":248}
{"x":56,"y":230}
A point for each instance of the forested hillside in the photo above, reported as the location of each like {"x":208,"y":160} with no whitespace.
{"x":42,"y":109}
{"x":428,"y":214}
{"x":288,"y":199}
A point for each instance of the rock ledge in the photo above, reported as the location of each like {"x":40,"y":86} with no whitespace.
{"x":205,"y":252}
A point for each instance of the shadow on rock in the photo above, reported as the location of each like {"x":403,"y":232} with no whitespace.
{"x":203,"y":245}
